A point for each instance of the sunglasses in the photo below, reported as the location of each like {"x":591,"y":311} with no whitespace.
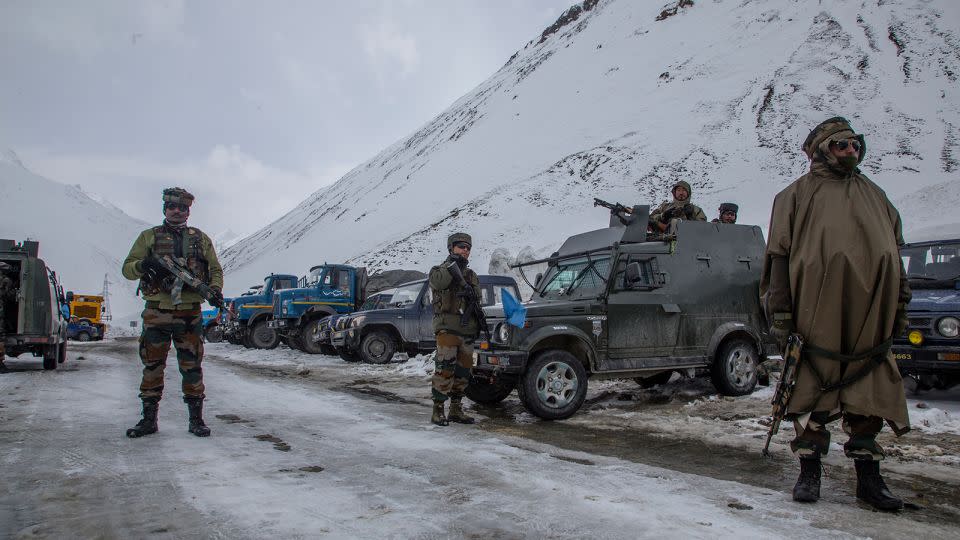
{"x":842,"y":145}
{"x":462,"y":245}
{"x":176,"y":206}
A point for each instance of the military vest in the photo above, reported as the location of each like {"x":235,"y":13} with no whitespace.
{"x":449,"y":306}
{"x":187,"y":245}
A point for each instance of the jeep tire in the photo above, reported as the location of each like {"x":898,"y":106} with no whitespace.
{"x":83,"y":336}
{"x":734,"y":370}
{"x":50,"y":354}
{"x":377,"y":347}
{"x":481,"y":390}
{"x":305,"y":338}
{"x":262,"y":336}
{"x":554,"y":385}
{"x":213,"y":334}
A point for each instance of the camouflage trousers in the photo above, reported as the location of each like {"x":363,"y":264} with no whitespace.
{"x":452,"y":364}
{"x":814,"y":439}
{"x":185,"y":329}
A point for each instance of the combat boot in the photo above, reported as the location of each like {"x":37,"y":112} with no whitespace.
{"x":807,"y":488}
{"x":456,"y":413}
{"x":195,"y":406}
{"x":871,"y":488}
{"x":148,"y":424}
{"x":438,"y":417}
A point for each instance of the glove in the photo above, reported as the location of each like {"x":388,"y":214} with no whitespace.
{"x":901,"y":321}
{"x":151,"y":268}
{"x":781,"y":328}
{"x":217,"y":297}
{"x":687,"y":210}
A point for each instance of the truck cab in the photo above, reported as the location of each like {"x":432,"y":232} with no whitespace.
{"x":929,"y":351}
{"x":33,"y":318}
{"x":622,"y":303}
{"x":328,"y":289}
{"x":253,"y":312}
{"x":89,"y":308}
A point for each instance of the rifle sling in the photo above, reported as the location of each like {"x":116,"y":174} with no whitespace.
{"x":878,"y":354}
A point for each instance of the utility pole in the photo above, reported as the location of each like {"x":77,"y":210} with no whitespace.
{"x":106,"y":299}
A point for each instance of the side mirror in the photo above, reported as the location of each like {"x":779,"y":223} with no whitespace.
{"x":536,"y":280}
{"x":632,"y":274}
{"x":69,"y":296}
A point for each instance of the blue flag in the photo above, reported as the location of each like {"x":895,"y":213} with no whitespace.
{"x":515,"y":313}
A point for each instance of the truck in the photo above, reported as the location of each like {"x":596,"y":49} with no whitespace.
{"x":929,"y":350}
{"x":252,"y":313}
{"x":33,"y":319}
{"x":89,"y":308}
{"x":404,"y":324}
{"x":214,"y":322}
{"x":621,"y":302}
{"x":328,"y":289}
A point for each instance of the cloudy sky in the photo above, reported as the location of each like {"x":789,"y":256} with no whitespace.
{"x":251,"y":105}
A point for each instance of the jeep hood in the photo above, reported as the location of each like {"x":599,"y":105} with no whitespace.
{"x":935,"y":300}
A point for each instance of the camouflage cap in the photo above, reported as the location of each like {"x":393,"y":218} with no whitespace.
{"x":458,"y":237}
{"x":177,"y":195}
{"x":729,"y":207}
{"x":684,"y":185}
{"x":832,"y":129}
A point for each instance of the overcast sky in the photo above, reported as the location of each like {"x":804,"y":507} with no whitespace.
{"x":252,"y":106}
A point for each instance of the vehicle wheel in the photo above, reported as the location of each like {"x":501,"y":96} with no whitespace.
{"x":263,"y":337}
{"x":348,"y":356}
{"x":653,"y":380}
{"x":734,"y":371}
{"x":50,"y":357}
{"x":377,"y":347}
{"x":62,"y":353}
{"x":83,"y":336}
{"x":245,"y":341}
{"x":213,"y":334}
{"x":307,"y":344}
{"x":486,"y":393}
{"x":554,"y":385}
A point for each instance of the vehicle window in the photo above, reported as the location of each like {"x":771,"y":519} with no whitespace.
{"x":650,"y":275}
{"x":932,"y":262}
{"x":584,"y":276}
{"x":490,"y":295}
{"x":283,"y":284}
{"x":316,"y":275}
{"x":406,"y":295}
{"x":343,"y":281}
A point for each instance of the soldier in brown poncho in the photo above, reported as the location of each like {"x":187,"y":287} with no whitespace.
{"x":833,"y":274}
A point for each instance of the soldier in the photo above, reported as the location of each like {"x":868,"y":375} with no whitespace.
{"x":7,"y":293}
{"x":679,"y":208}
{"x":833,"y":274}
{"x":163,"y":320}
{"x":455,"y":331}
{"x":728,"y":213}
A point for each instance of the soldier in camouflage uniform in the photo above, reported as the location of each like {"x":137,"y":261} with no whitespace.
{"x":455,"y":334}
{"x":167,"y":317}
{"x":727,"y":213}
{"x":679,"y":208}
{"x":7,"y":294}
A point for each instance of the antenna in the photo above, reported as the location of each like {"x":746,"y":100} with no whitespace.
{"x":106,"y":299}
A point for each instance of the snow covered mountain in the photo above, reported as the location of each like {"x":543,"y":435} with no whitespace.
{"x":80,"y":238}
{"x":619,"y":99}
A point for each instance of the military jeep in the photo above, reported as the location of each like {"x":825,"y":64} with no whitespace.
{"x":622,"y":303}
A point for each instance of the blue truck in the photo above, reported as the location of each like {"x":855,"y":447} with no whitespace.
{"x":328,"y":289}
{"x":213,"y":323}
{"x":251,"y":314}
{"x":929,"y":351}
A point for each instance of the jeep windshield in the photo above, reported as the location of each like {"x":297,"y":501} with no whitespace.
{"x":378,"y":300}
{"x":932,"y":264}
{"x":587,"y":276}
{"x":406,"y":294}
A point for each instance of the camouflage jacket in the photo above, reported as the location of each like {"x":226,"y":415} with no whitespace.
{"x":207,"y":258}
{"x":687,"y":211}
{"x":449,"y":305}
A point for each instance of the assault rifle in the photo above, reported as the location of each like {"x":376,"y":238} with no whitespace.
{"x":788,"y":380}
{"x":182,"y":276}
{"x":616,"y":209}
{"x":473,"y":303}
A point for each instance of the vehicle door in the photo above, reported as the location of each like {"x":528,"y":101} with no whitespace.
{"x":643,"y":319}
{"x":425,"y":319}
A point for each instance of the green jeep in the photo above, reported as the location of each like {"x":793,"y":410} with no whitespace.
{"x":622,"y":303}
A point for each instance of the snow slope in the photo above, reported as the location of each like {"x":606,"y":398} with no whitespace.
{"x":619,"y":100}
{"x":80,"y":238}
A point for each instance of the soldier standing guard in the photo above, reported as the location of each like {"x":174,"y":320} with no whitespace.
{"x":163,"y":319}
{"x":7,"y":293}
{"x":455,"y":327}
{"x":833,"y":275}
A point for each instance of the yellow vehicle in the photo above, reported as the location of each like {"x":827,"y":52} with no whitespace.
{"x":90,"y":308}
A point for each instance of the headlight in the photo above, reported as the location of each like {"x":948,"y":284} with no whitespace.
{"x":503,"y":332}
{"x":355,"y":322}
{"x":949,"y":327}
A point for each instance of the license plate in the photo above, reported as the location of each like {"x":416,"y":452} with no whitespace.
{"x":903,"y":356}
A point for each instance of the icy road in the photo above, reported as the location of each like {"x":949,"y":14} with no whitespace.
{"x":309,"y":446}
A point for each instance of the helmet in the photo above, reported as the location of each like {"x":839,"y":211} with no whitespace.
{"x":177,"y":195}
{"x":729,"y":207}
{"x":458,"y":237}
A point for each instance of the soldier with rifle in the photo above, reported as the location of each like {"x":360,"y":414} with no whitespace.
{"x":457,"y":321}
{"x":680,"y":208}
{"x":8,"y":293}
{"x":178,"y":269}
{"x":835,"y":291}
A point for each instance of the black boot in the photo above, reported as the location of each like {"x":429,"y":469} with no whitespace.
{"x":456,"y":413}
{"x":148,"y":424}
{"x":807,"y":488}
{"x":197,"y":427}
{"x":871,"y":489}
